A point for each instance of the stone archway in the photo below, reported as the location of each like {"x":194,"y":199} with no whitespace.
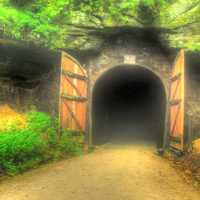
{"x":128,"y":104}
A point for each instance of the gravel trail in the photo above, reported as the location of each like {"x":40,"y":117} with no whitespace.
{"x":112,"y":172}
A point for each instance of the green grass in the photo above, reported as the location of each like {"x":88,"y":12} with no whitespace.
{"x":22,"y":149}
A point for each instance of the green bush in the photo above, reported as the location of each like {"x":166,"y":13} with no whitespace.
{"x":37,"y":143}
{"x":70,"y":144}
{"x":18,"y":148}
{"x":38,"y":121}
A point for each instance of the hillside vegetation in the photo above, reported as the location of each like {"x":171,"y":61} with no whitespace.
{"x":83,"y":24}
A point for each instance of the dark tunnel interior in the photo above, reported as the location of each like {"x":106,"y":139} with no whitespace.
{"x":129,"y":105}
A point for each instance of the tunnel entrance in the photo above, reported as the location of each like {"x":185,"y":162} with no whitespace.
{"x":129,"y":105}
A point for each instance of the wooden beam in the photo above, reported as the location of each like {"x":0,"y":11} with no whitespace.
{"x":73,"y":75}
{"x":73,"y":116}
{"x":73,"y":85}
{"x":74,"y":98}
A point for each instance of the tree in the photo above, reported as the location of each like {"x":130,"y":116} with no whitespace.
{"x":75,"y":23}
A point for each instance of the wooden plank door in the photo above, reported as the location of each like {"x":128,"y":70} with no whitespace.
{"x":177,"y":104}
{"x":73,"y":94}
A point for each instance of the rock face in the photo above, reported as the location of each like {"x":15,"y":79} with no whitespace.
{"x":27,"y":77}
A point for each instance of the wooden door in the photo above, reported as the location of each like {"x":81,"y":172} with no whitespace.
{"x":73,"y":94}
{"x":177,"y":103}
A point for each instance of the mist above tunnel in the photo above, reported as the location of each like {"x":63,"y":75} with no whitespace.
{"x":128,"y":105}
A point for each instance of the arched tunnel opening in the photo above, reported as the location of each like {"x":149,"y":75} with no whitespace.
{"x":128,"y":105}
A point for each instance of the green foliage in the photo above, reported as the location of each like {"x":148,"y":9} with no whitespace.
{"x":71,"y":144}
{"x":21,"y":149}
{"x":69,"y":23}
{"x":38,"y":121}
{"x":18,"y":148}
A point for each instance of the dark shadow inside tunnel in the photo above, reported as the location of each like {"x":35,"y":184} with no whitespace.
{"x":129,"y":104}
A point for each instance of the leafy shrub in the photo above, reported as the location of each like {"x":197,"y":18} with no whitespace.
{"x":18,"y":148}
{"x":70,"y":144}
{"x":21,"y":149}
{"x":38,"y":121}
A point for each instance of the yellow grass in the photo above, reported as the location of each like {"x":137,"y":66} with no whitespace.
{"x":9,"y":117}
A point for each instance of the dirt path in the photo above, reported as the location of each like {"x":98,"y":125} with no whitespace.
{"x":110,"y":173}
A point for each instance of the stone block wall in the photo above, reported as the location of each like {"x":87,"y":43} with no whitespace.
{"x":193,"y":104}
{"x":144,"y":54}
